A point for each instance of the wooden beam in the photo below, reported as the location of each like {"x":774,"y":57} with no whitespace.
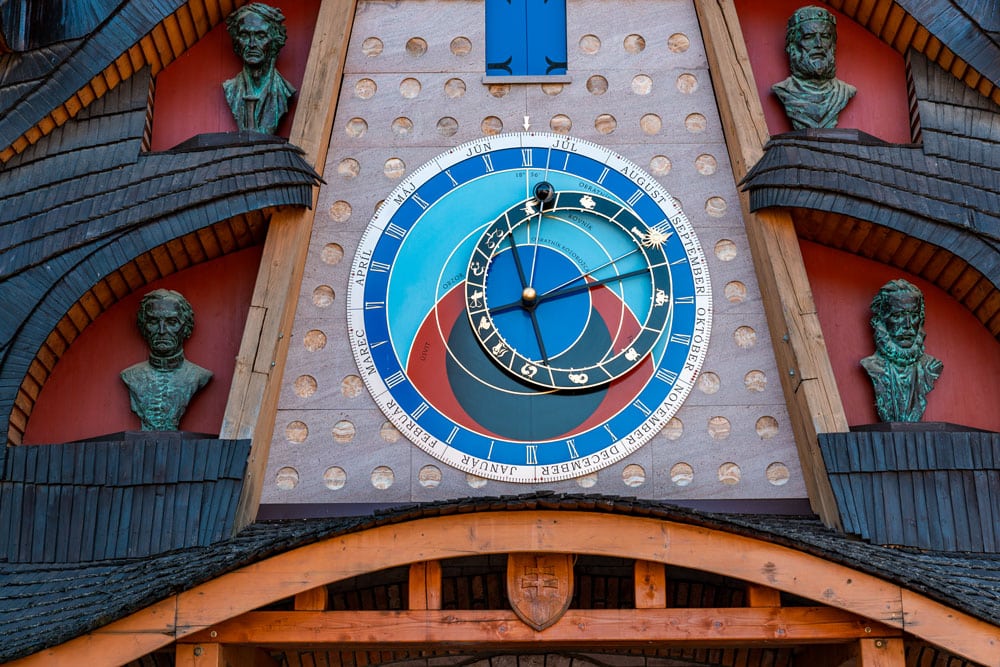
{"x":807,"y":378}
{"x":260,"y":364}
{"x":724,"y":626}
{"x":650,"y":585}
{"x":881,"y":652}
{"x":763,"y":596}
{"x":425,"y":585}
{"x":213,"y":654}
{"x":754,"y":560}
{"x":314,"y":599}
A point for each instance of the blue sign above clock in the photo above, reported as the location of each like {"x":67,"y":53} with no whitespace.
{"x":529,"y":307}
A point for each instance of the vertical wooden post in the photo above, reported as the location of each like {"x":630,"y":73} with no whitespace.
{"x":763,"y":596}
{"x":425,"y":585}
{"x":807,"y":379}
{"x":260,"y":365}
{"x":650,"y":585}
{"x":881,"y":653}
{"x":314,"y":599}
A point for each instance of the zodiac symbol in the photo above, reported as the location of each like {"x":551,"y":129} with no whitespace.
{"x":654,"y":238}
{"x":484,"y":323}
{"x":631,"y":354}
{"x":499,"y":349}
{"x":476,"y":298}
{"x":661,"y":297}
{"x":587,"y":202}
{"x":529,"y":207}
{"x":578,"y":378}
{"x":529,"y":371}
{"x":477,"y":269}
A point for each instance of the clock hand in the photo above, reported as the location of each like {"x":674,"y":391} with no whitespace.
{"x":529,"y":298}
{"x":566,"y":291}
{"x":591,"y":272}
{"x":545,"y":195}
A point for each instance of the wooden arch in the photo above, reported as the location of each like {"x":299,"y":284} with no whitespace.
{"x":221,"y":611}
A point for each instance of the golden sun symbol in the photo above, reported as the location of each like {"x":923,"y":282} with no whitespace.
{"x":654,"y":238}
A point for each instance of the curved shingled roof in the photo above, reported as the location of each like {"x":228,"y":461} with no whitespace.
{"x":945,"y":192}
{"x":86,"y":200}
{"x":44,"y":605}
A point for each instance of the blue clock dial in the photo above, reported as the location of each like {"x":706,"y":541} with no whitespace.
{"x":529,"y":307}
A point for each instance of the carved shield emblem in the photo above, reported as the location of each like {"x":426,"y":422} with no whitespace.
{"x":539,"y":587}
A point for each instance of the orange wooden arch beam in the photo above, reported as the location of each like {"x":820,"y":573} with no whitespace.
{"x":753,"y":560}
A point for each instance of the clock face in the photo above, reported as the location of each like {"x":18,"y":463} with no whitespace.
{"x":529,"y":307}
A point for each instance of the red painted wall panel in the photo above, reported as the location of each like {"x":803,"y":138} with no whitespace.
{"x":188,"y":98}
{"x":843,"y":286}
{"x":84,"y":397}
{"x":880,"y":106}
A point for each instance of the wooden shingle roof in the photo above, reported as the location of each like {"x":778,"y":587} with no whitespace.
{"x":44,"y":605}
{"x":944,"y":193}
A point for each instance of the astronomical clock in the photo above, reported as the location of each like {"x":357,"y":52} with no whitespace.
{"x":528,"y":280}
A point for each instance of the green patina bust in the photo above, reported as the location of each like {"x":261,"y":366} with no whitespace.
{"x":813,"y":96}
{"x":258,"y":96}
{"x":161,"y":387}
{"x":901,"y":372}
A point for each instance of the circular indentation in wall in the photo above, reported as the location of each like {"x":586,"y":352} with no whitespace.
{"x":409,"y":88}
{"x":349,"y":167}
{"x":491,"y":125}
{"x":461,"y":46}
{"x":475,"y":481}
{"x":454,"y":88}
{"x":402,"y":127}
{"x":429,"y":477}
{"x":777,"y":473}
{"x":709,"y":382}
{"x":372,"y":47}
{"x":745,"y":337}
{"x":719,"y":428}
{"x":634,"y":44}
{"x":716,"y":207}
{"x":642,"y":84}
{"x":605,"y":123}
{"x":767,"y":427}
{"x":587,"y":481}
{"x":590,"y":44}
{"x":343,"y":431}
{"x":394,"y":168}
{"x":447,"y":126}
{"x":287,"y":478}
{"x":340,"y":211}
{"x":755,"y":381}
{"x":560,"y":124}
{"x":356,"y":128}
{"x":499,"y":90}
{"x":687,"y":83}
{"x":332,"y":253}
{"x":323,"y":296}
{"x":706,"y":164}
{"x":314,"y":340}
{"x":681,"y":474}
{"x":659,"y":165}
{"x":674,"y":429}
{"x":735,"y":291}
{"x":725,"y":250}
{"x":416,"y":46}
{"x":678,"y":42}
{"x":365,"y":89}
{"x":352,"y":386}
{"x":304,"y":386}
{"x":383,"y":477}
{"x":296,"y":431}
{"x":597,"y":85}
{"x":730,"y":473}
{"x":552,"y":89}
{"x":334,"y":478}
{"x":695,"y":123}
{"x":634,"y":475}
{"x":389,"y":433}
{"x":651,"y":123}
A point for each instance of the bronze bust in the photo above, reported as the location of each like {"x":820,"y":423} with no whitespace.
{"x":161,"y":387}
{"x":813,"y":96}
{"x":901,"y":372}
{"x":258,"y":96}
